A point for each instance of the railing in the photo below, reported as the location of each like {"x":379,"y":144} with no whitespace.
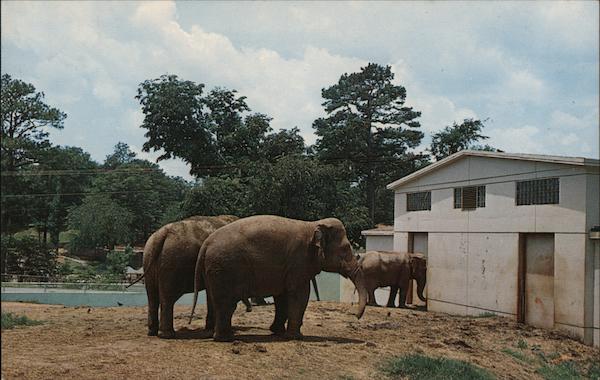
{"x":42,"y":282}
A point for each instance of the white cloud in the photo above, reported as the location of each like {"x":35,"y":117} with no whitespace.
{"x":454,"y":62}
{"x":173,"y":167}
{"x":523,"y":139}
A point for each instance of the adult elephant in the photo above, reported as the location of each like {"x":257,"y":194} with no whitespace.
{"x":169,"y":261}
{"x":270,"y":255}
{"x":394,"y":269}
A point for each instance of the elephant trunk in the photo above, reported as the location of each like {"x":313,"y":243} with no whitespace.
{"x":359,"y":282}
{"x":420,"y":288}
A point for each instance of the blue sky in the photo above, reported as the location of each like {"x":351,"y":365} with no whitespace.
{"x":530,"y":68}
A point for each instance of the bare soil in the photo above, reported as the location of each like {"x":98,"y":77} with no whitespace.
{"x":92,"y":343}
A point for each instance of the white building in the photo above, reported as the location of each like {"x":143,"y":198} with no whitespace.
{"x":507,"y":234}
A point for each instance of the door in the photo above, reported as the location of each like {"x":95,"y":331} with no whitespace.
{"x":417,"y":243}
{"x":536,"y":298}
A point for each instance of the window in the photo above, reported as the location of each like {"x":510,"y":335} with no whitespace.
{"x":469,"y":197}
{"x":418,"y":201}
{"x":538,"y":192}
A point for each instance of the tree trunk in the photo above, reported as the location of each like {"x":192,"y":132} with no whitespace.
{"x":370,"y":172}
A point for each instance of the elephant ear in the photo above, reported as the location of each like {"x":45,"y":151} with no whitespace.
{"x":317,"y":241}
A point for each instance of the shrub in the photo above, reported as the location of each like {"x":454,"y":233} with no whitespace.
{"x":417,"y":367}
{"x":10,"y":320}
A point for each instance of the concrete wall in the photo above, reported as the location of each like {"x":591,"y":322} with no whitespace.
{"x":473,"y":255}
{"x":380,"y":242}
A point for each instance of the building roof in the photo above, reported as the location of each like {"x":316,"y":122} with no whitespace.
{"x":578,"y":161}
{"x":380,"y":230}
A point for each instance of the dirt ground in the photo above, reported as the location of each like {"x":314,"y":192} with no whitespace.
{"x":92,"y":343}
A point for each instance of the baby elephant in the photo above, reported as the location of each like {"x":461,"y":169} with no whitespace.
{"x":394,"y":269}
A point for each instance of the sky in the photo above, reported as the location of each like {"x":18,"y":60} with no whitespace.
{"x":530,"y":69}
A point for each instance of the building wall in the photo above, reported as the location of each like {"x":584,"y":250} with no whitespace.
{"x":473,"y":255}
{"x":380,"y":242}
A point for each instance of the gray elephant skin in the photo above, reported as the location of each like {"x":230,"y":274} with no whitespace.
{"x":394,"y":269}
{"x":170,"y":257}
{"x":270,"y":255}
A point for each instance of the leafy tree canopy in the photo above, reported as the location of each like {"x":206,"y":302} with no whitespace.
{"x":101,"y":222}
{"x":24,"y":118}
{"x":368,"y":126}
{"x":214,"y":133}
{"x":458,"y":137}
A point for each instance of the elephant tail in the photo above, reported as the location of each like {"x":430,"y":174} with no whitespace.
{"x":198,"y":279}
{"x":153,"y":249}
{"x":136,"y":281}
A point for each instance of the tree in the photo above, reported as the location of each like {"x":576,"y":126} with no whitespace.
{"x":121,"y":155}
{"x":101,"y":222}
{"x":58,"y":184}
{"x":215,"y":133}
{"x":368,"y":128}
{"x":140,"y":187}
{"x":24,"y":118}
{"x":24,"y":134}
{"x":458,"y":137}
{"x":283,"y":143}
{"x":26,"y":256}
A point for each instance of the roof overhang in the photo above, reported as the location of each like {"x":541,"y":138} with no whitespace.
{"x":577,"y":161}
{"x":376,"y":232}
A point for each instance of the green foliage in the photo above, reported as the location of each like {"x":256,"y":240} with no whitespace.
{"x":283,"y":143}
{"x":564,"y":370}
{"x":518,"y":355}
{"x":117,"y":262}
{"x":217,"y":196}
{"x":23,"y":138}
{"x":101,"y":222}
{"x":458,"y":137}
{"x":368,"y":129}
{"x":24,"y":116}
{"x":26,"y":256}
{"x":487,"y":314}
{"x":63,"y":174}
{"x":293,"y":186}
{"x":417,"y":367}
{"x":10,"y":321}
{"x":214,"y":132}
{"x":522,"y":344}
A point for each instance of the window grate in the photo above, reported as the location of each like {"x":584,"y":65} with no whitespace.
{"x":469,"y":197}
{"x":418,"y":201}
{"x":538,"y":192}
{"x":458,"y":197}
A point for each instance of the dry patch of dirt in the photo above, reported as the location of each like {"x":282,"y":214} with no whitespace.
{"x":91,"y":343}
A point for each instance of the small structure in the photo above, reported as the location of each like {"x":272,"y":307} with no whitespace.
{"x":138,"y":254}
{"x":131,"y":274}
{"x":380,"y":238}
{"x":507,"y":234}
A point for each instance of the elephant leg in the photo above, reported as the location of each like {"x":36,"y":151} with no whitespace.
{"x":371,"y":301}
{"x":281,"y":314}
{"x":392,"y":300}
{"x":223,"y":312}
{"x":402,"y":300}
{"x":297,"y":302}
{"x":166,"y":330}
{"x":210,"y":312}
{"x":246,"y":302}
{"x":153,"y":303}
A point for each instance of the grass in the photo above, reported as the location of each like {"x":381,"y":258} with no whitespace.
{"x":517,"y":355}
{"x":417,"y":367}
{"x":564,"y":370}
{"x":10,"y":320}
{"x":487,"y":314}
